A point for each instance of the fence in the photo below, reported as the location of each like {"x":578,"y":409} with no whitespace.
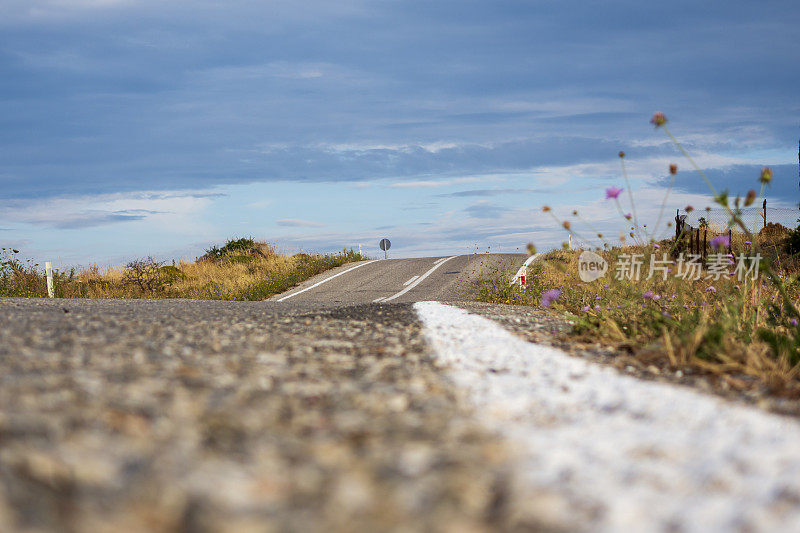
{"x":769,"y":225}
{"x":755,"y":218}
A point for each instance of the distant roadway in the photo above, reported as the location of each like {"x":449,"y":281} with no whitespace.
{"x":442,"y":278}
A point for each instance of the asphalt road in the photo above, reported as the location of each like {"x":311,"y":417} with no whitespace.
{"x":443,"y":278}
{"x":308,"y":414}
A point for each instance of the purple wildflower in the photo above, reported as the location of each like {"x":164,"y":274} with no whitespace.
{"x":648,"y":295}
{"x":597,"y":307}
{"x":711,"y":289}
{"x":720,"y":241}
{"x":748,"y":242}
{"x":585,"y":308}
{"x":613,"y":192}
{"x":550,"y":296}
{"x":597,"y":298}
{"x":656,"y":246}
{"x":793,"y":322}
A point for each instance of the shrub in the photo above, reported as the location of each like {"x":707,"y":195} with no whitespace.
{"x":145,"y":274}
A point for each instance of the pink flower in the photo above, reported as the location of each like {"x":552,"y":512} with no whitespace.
{"x":550,"y":296}
{"x":659,"y":119}
{"x":720,"y":241}
{"x":657,"y":246}
{"x":613,"y":192}
{"x":648,"y":295}
{"x":585,"y":308}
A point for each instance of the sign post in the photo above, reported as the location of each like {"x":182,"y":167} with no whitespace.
{"x":385,"y":244}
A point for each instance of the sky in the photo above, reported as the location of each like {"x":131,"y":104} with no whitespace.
{"x":148,"y":127}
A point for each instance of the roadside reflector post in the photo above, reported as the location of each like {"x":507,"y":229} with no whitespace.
{"x":522,"y":281}
{"x":48,"y":270}
{"x":359,"y":250}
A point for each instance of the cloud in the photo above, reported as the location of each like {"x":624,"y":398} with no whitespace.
{"x":738,"y":179}
{"x":484,"y":210}
{"x":297,"y":223}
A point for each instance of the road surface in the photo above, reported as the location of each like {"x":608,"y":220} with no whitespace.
{"x":355,"y":403}
{"x":443,"y":278}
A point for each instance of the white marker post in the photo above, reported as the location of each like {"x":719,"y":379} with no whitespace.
{"x":359,"y":249}
{"x":48,"y":270}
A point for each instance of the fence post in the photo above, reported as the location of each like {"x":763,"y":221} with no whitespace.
{"x":705,"y":239}
{"x":765,"y":212}
{"x":730,"y":241}
{"x":48,"y":270}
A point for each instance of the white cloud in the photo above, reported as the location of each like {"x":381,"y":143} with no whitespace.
{"x":298,"y":223}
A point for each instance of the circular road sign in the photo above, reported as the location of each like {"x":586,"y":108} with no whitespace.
{"x":385,"y":244}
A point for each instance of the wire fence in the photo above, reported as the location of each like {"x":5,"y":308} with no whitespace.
{"x":695,"y":230}
{"x":755,"y":218}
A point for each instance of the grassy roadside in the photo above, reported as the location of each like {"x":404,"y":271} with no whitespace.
{"x":242,"y":269}
{"x":735,"y":332}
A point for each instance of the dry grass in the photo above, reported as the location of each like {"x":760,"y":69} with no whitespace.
{"x":737,"y":331}
{"x":250,"y":271}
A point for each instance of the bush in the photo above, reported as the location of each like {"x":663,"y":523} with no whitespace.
{"x":793,"y":240}
{"x":145,"y":274}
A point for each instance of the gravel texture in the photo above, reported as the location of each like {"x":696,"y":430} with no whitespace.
{"x":170,"y":415}
{"x":619,"y":453}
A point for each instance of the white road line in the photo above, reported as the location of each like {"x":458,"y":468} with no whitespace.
{"x":440,"y":260}
{"x":410,"y":281}
{"x":522,"y":269}
{"x":376,"y":300}
{"x":420,"y":279}
{"x":615,"y":453}
{"x":324,"y":280}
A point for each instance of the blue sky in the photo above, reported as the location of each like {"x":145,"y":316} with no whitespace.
{"x":143,"y":127}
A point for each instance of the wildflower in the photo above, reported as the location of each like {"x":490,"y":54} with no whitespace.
{"x":689,"y":209}
{"x":720,"y":241}
{"x":711,"y":289}
{"x":546,"y":208}
{"x":531,"y":248}
{"x":648,"y":295}
{"x":628,"y":216}
{"x":766,"y":175}
{"x":659,"y":119}
{"x":566,"y":224}
{"x":666,"y":314}
{"x":597,"y":298}
{"x":793,"y":322}
{"x":621,"y":154}
{"x":597,"y":307}
{"x":750,"y":198}
{"x":656,"y":297}
{"x":585,"y":308}
{"x":613,"y":192}
{"x":600,"y":235}
{"x":550,"y":296}
{"x":748,"y":242}
{"x":656,"y":246}
{"x":673,"y":169}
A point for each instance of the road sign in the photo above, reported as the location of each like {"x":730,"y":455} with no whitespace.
{"x":385,"y":245}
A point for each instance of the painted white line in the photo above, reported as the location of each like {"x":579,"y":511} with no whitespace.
{"x":614,"y":453}
{"x":376,"y":300}
{"x":324,"y":281}
{"x":420,"y":279}
{"x":411,"y":280}
{"x":522,"y":269}
{"x":439,"y":260}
